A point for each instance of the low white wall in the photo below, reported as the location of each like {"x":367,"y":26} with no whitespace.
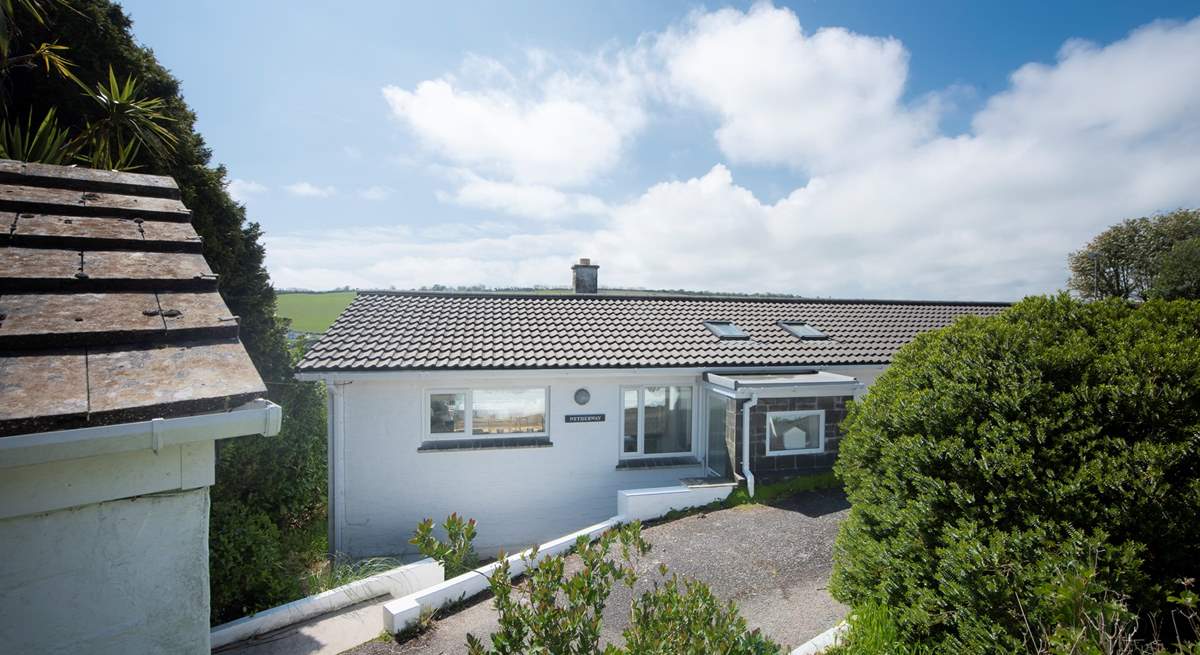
{"x":647,"y":504}
{"x":822,"y":642}
{"x":119,"y":577}
{"x":398,"y":582}
{"x":403,"y":612}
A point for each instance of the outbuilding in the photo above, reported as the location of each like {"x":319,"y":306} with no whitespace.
{"x":530,"y":412}
{"x":120,"y":366}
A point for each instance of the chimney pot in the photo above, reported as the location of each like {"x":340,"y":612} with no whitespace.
{"x":585,"y":276}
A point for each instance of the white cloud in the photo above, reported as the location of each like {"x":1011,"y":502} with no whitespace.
{"x":892,"y":207}
{"x":310,"y":190}
{"x":813,"y":101}
{"x":376,"y":193}
{"x":242,"y":190}
{"x":553,"y":127}
{"x":526,"y":200}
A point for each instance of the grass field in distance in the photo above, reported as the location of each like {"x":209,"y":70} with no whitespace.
{"x":312,"y":312}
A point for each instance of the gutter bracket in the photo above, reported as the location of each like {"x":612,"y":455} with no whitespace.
{"x":156,"y":439}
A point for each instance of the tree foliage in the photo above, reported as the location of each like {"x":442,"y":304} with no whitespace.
{"x":280,"y":480}
{"x":1124,"y":260}
{"x":562,"y":613}
{"x":1179,"y":272}
{"x":993,"y":451}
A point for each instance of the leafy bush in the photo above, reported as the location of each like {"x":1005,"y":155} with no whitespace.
{"x":250,"y":559}
{"x":456,"y":554}
{"x":993,"y":451}
{"x":558,"y":613}
{"x":873,"y":631}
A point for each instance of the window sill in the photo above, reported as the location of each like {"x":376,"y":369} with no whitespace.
{"x":685,"y":461}
{"x":785,"y":453}
{"x":484,"y":443}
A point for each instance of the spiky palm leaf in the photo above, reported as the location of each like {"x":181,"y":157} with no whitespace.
{"x":127,"y":123}
{"x":8,"y":15}
{"x":48,"y":143}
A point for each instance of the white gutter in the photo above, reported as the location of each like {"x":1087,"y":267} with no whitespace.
{"x":746,"y":442}
{"x":255,"y":417}
{"x":496,"y":373}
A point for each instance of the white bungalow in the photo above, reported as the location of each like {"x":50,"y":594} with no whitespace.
{"x":529,"y":412}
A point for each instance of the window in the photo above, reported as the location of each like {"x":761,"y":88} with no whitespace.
{"x":791,"y":433}
{"x":726,"y":330}
{"x":488,"y":412}
{"x":803,"y":330}
{"x":657,"y":420}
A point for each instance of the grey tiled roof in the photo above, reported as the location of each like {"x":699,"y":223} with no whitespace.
{"x":427,"y":331}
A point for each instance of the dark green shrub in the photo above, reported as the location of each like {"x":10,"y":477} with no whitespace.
{"x":456,"y":554}
{"x":560,"y":613}
{"x":994,"y":450}
{"x":247,"y":571}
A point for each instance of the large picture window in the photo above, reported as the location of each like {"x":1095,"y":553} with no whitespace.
{"x":488,"y":412}
{"x":798,"y":432}
{"x":657,"y":420}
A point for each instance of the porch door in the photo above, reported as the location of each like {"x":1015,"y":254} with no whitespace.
{"x":717,"y":453}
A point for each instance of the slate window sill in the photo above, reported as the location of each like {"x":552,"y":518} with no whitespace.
{"x":657,"y":463}
{"x":488,"y":443}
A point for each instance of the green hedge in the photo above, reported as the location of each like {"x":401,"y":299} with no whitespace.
{"x":996,"y":453}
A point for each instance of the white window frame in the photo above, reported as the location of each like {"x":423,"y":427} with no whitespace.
{"x":641,"y":422}
{"x":469,"y":412}
{"x":795,"y":413}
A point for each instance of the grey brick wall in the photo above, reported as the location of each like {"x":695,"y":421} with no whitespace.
{"x":778,"y":467}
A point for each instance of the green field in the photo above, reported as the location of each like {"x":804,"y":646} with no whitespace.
{"x":312,"y":312}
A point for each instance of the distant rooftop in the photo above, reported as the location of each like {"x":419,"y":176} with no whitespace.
{"x":109,"y":312}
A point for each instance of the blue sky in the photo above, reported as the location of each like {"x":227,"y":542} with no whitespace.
{"x":880,"y":149}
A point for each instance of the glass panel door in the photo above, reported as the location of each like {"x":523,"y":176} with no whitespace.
{"x":717,"y":456}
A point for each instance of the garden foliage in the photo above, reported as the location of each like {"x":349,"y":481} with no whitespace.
{"x":995,"y":451}
{"x":561,"y":612}
{"x":456,"y":554}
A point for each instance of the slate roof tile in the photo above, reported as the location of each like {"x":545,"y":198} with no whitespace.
{"x":431,"y":331}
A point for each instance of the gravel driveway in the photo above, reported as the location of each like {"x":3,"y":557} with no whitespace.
{"x":774,"y":561}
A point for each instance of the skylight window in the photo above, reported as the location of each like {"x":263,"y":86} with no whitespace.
{"x":803,"y":330}
{"x":726,"y":330}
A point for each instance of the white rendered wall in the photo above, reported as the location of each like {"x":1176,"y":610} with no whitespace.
{"x":519,"y":496}
{"x":123,"y":576}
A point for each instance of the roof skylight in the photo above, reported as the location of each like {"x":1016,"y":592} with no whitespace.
{"x":726,"y":330}
{"x":803,"y":330}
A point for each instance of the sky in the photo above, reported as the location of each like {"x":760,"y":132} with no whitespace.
{"x":927,"y":150}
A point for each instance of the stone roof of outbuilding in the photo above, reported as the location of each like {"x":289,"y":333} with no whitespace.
{"x":109,"y":312}
{"x":383,"y":331}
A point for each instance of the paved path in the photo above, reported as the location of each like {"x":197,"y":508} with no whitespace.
{"x":774,"y":561}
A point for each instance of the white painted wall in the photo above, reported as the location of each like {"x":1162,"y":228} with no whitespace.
{"x":123,"y":576}
{"x":649,"y":504}
{"x":519,"y":496}
{"x":384,"y":487}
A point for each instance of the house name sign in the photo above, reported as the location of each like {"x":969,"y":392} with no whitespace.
{"x":584,"y":418}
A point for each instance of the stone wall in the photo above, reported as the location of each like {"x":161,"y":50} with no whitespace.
{"x":772,"y":468}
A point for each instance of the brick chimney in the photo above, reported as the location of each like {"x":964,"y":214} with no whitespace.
{"x":585,"y":276}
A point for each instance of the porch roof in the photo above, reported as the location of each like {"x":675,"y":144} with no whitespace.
{"x":799,"y":383}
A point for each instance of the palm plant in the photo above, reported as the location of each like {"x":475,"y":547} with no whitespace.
{"x":127,"y":122}
{"x":49,"y":143}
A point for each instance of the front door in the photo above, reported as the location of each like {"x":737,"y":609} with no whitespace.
{"x":718,"y":421}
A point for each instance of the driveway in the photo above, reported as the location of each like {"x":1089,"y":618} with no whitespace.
{"x":773,"y":561}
